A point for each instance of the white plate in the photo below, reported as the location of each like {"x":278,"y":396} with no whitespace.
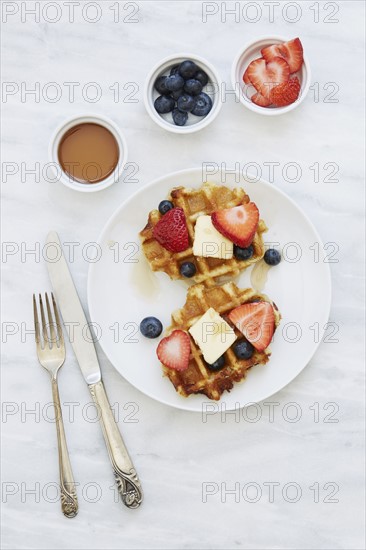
{"x":122,"y":291}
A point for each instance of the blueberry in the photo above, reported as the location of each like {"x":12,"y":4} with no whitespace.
{"x":187,"y":269}
{"x":174,"y":82}
{"x":165,"y":206}
{"x":218,"y":364}
{"x":174,"y":69}
{"x":186,"y":103}
{"x":176,"y":95}
{"x":201,"y":76}
{"x":243,"y":253}
{"x":272,"y":257}
{"x":203,"y":105}
{"x":179,"y":118}
{"x":164,"y":104}
{"x":187,"y":69}
{"x":193,"y":86}
{"x":151,"y":327}
{"x":160,"y":85}
{"x":243,"y":349}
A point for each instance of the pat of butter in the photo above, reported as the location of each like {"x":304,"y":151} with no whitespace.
{"x":212,"y":335}
{"x":208,"y":242}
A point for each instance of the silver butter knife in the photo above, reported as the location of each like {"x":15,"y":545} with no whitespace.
{"x":68,"y":300}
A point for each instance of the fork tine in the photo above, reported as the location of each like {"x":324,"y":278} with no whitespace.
{"x":44,"y":326}
{"x":36,"y":322}
{"x":58,"y":322}
{"x":51,"y":321}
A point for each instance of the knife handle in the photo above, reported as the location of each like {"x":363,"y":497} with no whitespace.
{"x":125,"y":474}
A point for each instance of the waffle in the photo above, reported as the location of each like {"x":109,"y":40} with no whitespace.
{"x":197,"y":378}
{"x":196,"y":202}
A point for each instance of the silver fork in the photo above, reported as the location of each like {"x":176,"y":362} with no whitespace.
{"x":51,"y":354}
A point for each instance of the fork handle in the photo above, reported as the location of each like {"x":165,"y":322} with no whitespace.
{"x":125,"y":474}
{"x":69,"y":500}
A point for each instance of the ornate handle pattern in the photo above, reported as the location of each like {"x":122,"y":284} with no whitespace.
{"x":69,"y":500}
{"x":125,"y":474}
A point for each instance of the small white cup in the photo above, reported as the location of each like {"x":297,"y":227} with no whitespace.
{"x":194,"y":123}
{"x":243,"y":92}
{"x":65,"y":178}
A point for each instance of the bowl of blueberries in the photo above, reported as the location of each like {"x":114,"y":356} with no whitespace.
{"x":183,"y":93}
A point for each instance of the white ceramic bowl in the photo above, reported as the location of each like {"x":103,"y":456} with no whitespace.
{"x":65,"y":178}
{"x":244,"y":92}
{"x":212,"y":89}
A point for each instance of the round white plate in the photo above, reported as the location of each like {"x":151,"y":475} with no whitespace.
{"x":122,"y":291}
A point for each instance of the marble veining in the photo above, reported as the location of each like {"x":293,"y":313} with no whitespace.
{"x":224,"y":481}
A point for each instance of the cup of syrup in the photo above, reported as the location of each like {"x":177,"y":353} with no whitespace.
{"x":88,"y":153}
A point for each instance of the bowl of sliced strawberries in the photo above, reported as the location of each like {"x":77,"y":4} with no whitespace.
{"x":271,"y":75}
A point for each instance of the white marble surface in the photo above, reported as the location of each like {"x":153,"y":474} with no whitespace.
{"x":175,"y":452}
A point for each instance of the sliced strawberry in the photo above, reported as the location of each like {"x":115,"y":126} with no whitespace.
{"x":291,"y":51}
{"x":174,"y":350}
{"x":171,"y":231}
{"x":286,"y":93}
{"x":238,"y":224}
{"x":256,"y":322}
{"x":264,"y":76}
{"x":246,"y":77}
{"x":260,"y":100}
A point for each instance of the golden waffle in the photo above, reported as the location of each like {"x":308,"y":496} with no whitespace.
{"x":197,"y":202}
{"x":197,"y":378}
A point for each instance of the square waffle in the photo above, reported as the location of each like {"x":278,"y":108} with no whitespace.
{"x":197,"y":202}
{"x":197,"y":378}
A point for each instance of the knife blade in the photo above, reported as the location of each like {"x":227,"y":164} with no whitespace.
{"x":74,"y":317}
{"x":72,"y":313}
